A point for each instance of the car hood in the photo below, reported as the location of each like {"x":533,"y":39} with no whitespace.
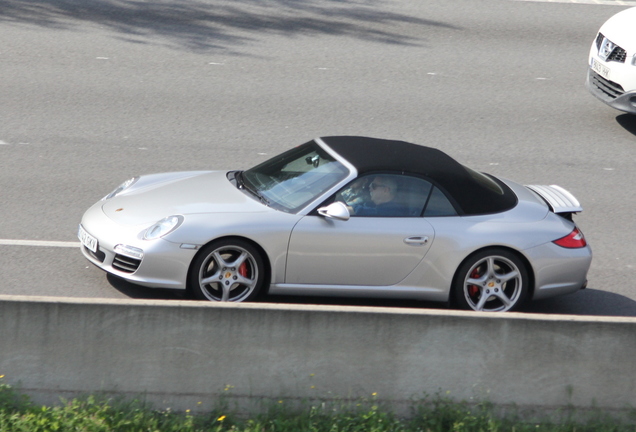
{"x":621,"y":30}
{"x":156,"y":196}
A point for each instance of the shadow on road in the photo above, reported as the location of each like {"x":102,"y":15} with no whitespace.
{"x":587,"y":302}
{"x":202,"y":26}
{"x":628,"y":122}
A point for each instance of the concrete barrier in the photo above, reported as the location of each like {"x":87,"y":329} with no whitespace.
{"x":185,"y":355}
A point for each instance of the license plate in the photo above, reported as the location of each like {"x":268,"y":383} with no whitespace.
{"x":600,"y":69}
{"x":87,"y":240}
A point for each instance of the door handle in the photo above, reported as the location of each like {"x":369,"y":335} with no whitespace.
{"x":416,"y":240}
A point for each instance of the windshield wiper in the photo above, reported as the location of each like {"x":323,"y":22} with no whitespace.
{"x":243,"y":185}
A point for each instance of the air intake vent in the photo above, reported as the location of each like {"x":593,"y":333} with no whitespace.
{"x":608,"y":90}
{"x":599,"y":40}
{"x":99,"y":255}
{"x":126,"y":264}
{"x":618,"y":54}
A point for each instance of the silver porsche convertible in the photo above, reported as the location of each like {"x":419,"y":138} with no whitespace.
{"x":343,"y":216}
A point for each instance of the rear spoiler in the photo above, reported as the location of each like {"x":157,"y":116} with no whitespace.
{"x":559,"y":199}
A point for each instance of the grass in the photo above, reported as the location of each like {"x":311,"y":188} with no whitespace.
{"x":19,"y":413}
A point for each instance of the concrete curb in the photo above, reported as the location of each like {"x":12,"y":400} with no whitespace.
{"x":187,"y":355}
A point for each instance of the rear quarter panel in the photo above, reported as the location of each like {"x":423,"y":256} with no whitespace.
{"x":524,"y":228}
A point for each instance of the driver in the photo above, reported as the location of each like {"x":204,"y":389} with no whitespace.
{"x":382,"y":192}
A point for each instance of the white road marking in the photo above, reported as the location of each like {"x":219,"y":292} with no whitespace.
{"x":40,"y":243}
{"x":592,"y":2}
{"x":8,"y":144}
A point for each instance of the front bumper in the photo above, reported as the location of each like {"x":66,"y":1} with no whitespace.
{"x":610,"y":92}
{"x":164,"y":264}
{"x":613,"y":81}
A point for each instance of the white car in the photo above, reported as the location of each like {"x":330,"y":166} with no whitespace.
{"x":611,"y":76}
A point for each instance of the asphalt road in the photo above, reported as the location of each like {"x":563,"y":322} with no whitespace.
{"x":94,"y":92}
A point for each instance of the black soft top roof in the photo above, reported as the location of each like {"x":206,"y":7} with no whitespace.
{"x":373,"y":154}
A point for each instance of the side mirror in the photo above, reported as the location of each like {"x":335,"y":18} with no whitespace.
{"x":336,"y":210}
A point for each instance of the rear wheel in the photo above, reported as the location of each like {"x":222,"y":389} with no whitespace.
{"x":493,"y":280}
{"x":229,"y":270}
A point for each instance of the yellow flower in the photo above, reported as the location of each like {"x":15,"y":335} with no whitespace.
{"x":374,"y":394}
{"x":221,"y":418}
{"x":313,"y":387}
{"x":187,"y":411}
{"x":1,"y":376}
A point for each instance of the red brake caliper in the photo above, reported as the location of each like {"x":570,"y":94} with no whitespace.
{"x":473,"y":290}
{"x":243,"y":269}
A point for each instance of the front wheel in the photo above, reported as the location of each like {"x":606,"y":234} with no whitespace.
{"x":228,"y":270}
{"x":494,"y":280}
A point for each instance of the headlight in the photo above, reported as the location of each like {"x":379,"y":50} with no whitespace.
{"x":122,"y":187}
{"x":163,"y":227}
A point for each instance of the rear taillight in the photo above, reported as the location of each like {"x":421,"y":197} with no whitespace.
{"x":573,"y":240}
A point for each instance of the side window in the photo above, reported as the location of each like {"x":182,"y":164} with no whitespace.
{"x":385,"y":195}
{"x":439,"y":205}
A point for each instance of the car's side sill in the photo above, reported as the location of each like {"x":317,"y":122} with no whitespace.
{"x":395,"y":291}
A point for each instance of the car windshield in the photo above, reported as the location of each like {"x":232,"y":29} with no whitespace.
{"x":291,"y":180}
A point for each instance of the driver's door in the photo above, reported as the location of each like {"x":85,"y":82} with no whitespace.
{"x":367,"y":251}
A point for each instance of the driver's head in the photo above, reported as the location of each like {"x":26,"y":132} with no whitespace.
{"x":382,"y":189}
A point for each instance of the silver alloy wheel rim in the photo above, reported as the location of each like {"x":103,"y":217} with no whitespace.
{"x":493,"y":284}
{"x":229,"y":273}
